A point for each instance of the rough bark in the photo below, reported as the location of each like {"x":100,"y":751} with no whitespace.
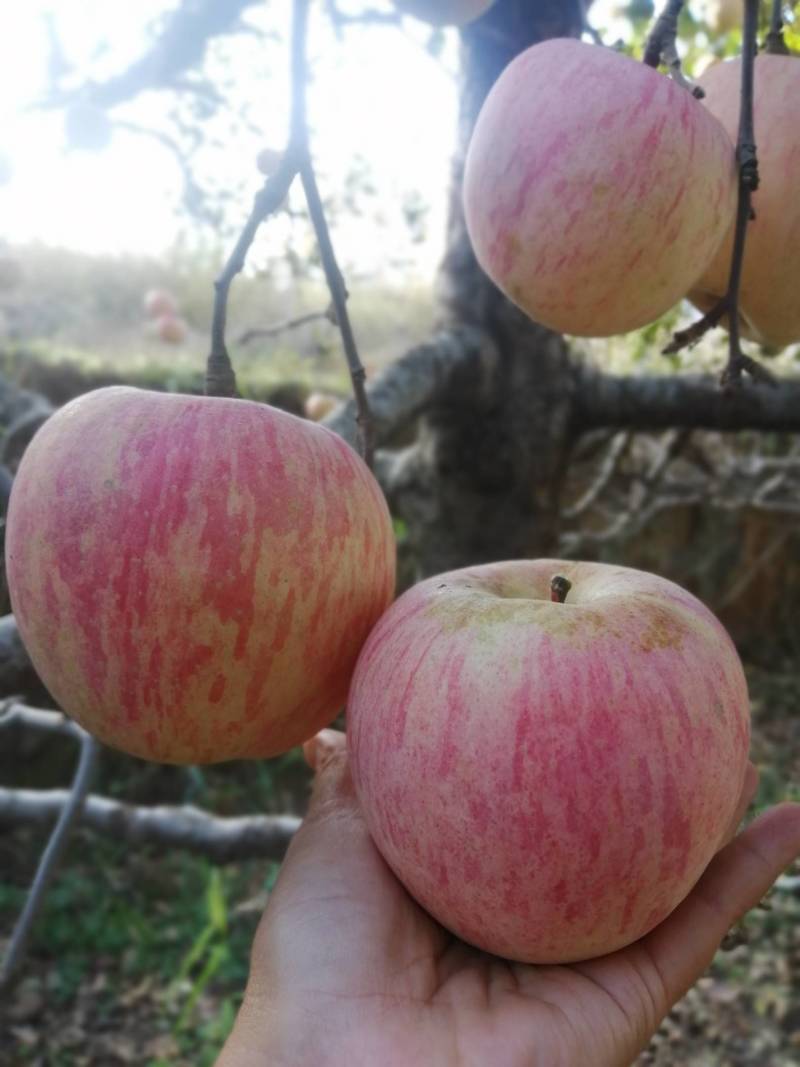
{"x":481,"y":481}
{"x":692,"y":402}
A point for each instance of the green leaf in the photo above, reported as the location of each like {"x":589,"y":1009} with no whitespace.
{"x":217,"y":905}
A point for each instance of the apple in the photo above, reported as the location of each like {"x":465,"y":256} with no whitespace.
{"x":318,"y":405}
{"x":444,"y":12}
{"x":159,"y":302}
{"x":769,"y":298}
{"x":723,"y":15}
{"x":268,"y":160}
{"x":194,"y":577}
{"x":171,"y":329}
{"x":548,"y":779}
{"x":595,"y":189}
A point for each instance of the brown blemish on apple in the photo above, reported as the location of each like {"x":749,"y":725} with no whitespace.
{"x":664,"y":631}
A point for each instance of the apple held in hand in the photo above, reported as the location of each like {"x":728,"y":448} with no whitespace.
{"x":548,"y":780}
{"x":769,"y":298}
{"x":444,"y":12}
{"x":595,"y":189}
{"x":194,"y":577}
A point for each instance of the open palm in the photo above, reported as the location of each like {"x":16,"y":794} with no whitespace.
{"x":347,"y":969}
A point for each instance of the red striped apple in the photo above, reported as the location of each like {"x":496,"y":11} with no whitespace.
{"x":194,"y":577}
{"x":444,"y":12}
{"x":595,"y":189}
{"x":769,"y":299}
{"x":548,"y":779}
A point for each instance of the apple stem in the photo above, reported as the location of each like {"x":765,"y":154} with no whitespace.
{"x":660,"y":47}
{"x":774,"y":44}
{"x":738,"y":363}
{"x":296,"y":160}
{"x":559,"y":587}
{"x":747,"y":158}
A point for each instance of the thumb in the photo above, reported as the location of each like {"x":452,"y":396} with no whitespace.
{"x":333,"y":791}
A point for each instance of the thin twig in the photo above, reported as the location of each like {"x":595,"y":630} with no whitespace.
{"x":220,"y":376}
{"x":608,"y":468}
{"x":339,"y":296}
{"x":694,"y":333}
{"x":738,"y":362}
{"x":660,"y":47}
{"x":48,"y":863}
{"x":257,"y":332}
{"x":755,"y":568}
{"x":774,"y":44}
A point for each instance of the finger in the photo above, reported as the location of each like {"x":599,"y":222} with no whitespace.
{"x":749,"y":787}
{"x":736,"y":879}
{"x":319,"y":748}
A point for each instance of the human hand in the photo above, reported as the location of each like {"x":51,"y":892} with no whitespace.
{"x":348,"y":970}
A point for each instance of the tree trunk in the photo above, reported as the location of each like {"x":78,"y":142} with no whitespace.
{"x":482,"y":482}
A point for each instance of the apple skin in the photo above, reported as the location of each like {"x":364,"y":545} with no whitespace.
{"x":595,"y":189}
{"x":194,"y":577}
{"x":769,"y":298}
{"x":548,"y":780}
{"x":444,"y":12}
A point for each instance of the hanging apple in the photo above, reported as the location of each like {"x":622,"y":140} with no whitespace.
{"x":194,"y":577}
{"x":595,"y":188}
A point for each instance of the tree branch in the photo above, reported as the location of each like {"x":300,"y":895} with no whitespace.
{"x":694,"y":402}
{"x":69,"y":813}
{"x":223,"y":840}
{"x":180,"y":46}
{"x":256,"y":332}
{"x":410,"y":385}
{"x":775,"y":45}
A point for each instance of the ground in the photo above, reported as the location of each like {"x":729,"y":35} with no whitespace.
{"x":140,"y":957}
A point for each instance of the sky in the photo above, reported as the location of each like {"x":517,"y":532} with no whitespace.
{"x":377,"y":92}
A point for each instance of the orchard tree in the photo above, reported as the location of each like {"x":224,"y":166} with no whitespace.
{"x":494,"y":405}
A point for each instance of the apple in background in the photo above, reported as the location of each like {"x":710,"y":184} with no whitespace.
{"x":268,"y":160}
{"x":595,"y":189}
{"x":194,"y":577}
{"x":723,"y":15}
{"x":444,"y":12}
{"x":159,"y":302}
{"x":171,"y":329}
{"x":548,"y":780}
{"x":769,"y":298}
{"x":318,"y":405}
